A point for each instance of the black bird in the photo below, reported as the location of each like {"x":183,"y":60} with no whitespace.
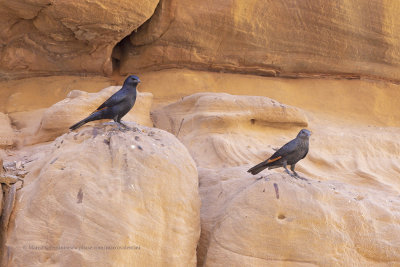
{"x":289,"y":154}
{"x":116,"y":106}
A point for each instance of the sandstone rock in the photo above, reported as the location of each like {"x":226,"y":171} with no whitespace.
{"x":219,"y":132}
{"x":1,"y":201}
{"x":105,"y":188}
{"x":293,"y":38}
{"x":1,"y":191}
{"x":41,"y":92}
{"x":7,"y":135}
{"x":285,"y":222}
{"x":347,"y":211}
{"x":27,"y":123}
{"x":79,"y":104}
{"x":211,"y":124}
{"x":7,"y":198}
{"x":356,"y":102}
{"x":43,"y":36}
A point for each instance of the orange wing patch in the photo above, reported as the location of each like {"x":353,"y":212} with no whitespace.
{"x":98,"y":110}
{"x":275,"y":159}
{"x":101,"y":109}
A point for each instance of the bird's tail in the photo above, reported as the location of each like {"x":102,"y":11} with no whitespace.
{"x":258,"y":168}
{"x":77,"y":125}
{"x":92,"y":117}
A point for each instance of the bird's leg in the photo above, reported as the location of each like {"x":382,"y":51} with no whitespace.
{"x":286,"y":169}
{"x":119,"y":126}
{"x":295,"y":173}
{"x":115,"y":119}
{"x":124,"y":125}
{"x":120,"y":123}
{"x":136,"y":129}
{"x":292,"y":169}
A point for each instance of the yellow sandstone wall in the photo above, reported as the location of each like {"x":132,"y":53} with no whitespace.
{"x":296,"y":38}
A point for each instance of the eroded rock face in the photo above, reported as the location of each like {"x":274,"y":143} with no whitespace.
{"x":7,"y":135}
{"x":347,"y":211}
{"x":222,"y":130}
{"x":290,"y":38}
{"x":282,"y":221}
{"x":57,"y":119}
{"x":212,"y":125}
{"x":103,"y":187}
{"x":43,"y":36}
{"x":1,"y":191}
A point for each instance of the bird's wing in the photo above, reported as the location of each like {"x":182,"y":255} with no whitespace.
{"x":305,"y":154}
{"x":287,"y":149}
{"x":116,"y":98}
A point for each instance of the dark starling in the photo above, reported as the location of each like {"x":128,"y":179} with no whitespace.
{"x":116,"y":106}
{"x":289,"y":154}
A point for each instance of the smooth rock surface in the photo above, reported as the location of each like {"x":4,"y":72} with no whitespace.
{"x":357,"y":102}
{"x":286,"y":222}
{"x":210,"y":124}
{"x":22,"y":95}
{"x":103,"y":187}
{"x":297,"y":38}
{"x":346,"y":214}
{"x":57,"y":119}
{"x":222,"y":130}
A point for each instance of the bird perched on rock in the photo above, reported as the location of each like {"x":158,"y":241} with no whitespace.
{"x":289,"y":154}
{"x":116,"y":106}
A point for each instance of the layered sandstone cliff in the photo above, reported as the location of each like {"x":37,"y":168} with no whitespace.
{"x":202,"y":65}
{"x":290,"y":38}
{"x":347,"y":38}
{"x":58,"y":37}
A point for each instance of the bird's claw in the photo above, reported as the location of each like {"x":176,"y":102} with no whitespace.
{"x":121,"y":128}
{"x":302,"y":178}
{"x":296,"y":176}
{"x":125,"y":127}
